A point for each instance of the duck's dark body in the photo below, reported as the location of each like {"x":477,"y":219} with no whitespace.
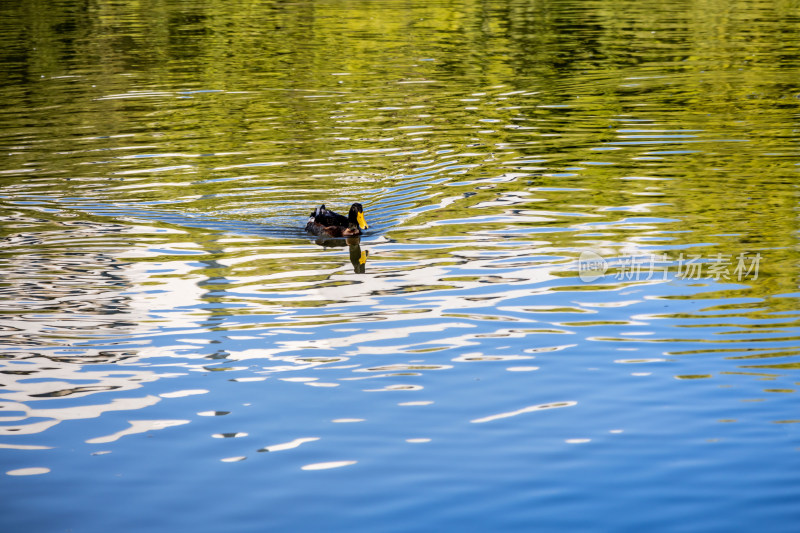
{"x":325,"y":222}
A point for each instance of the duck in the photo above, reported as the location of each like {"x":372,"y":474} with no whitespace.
{"x":327,"y":223}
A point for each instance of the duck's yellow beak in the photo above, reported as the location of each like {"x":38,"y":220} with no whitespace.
{"x":361,"y":222}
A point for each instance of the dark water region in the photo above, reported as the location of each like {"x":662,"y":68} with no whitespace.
{"x":575,"y":308}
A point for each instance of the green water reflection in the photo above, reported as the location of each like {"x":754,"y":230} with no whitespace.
{"x":469,"y":127}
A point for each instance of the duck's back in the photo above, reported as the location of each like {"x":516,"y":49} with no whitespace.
{"x":326,"y":217}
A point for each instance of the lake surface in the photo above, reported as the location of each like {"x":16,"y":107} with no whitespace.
{"x":575,"y":308}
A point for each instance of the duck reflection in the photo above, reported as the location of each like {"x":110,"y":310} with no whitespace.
{"x":358,"y":257}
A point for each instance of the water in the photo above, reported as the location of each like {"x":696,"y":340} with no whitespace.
{"x":576,"y":306}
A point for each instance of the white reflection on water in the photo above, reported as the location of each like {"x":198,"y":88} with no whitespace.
{"x":328,"y":465}
{"x":288,"y":445}
{"x":421,"y":304}
{"x":25,"y":447}
{"x":183,"y":393}
{"x":31,"y":471}
{"x":138,"y":426}
{"x":59,"y":414}
{"x":524,"y":410}
{"x":175,"y":306}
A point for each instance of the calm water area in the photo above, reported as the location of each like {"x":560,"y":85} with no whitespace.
{"x":576,"y":307}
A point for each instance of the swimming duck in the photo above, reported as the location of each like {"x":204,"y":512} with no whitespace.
{"x":325,"y":222}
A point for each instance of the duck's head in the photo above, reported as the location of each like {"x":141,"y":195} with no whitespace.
{"x":356,"y":216}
